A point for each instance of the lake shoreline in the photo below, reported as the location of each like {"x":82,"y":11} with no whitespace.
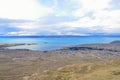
{"x":22,"y":63}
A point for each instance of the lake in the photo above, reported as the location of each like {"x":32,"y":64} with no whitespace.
{"x":54,"y":42}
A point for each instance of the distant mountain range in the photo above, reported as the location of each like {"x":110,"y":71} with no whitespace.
{"x":104,"y":34}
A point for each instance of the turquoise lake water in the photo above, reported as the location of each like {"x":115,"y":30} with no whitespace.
{"x":54,"y":42}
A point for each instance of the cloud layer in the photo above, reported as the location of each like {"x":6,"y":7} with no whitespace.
{"x":59,"y":17}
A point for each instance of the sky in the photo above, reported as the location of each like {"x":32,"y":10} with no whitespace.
{"x":59,"y":17}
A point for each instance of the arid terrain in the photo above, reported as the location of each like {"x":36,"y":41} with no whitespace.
{"x":80,"y":62}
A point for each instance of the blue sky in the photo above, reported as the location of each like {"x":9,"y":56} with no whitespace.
{"x":59,"y":17}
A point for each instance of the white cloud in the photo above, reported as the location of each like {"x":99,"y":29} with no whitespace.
{"x":105,"y":21}
{"x":90,"y":6}
{"x":85,"y":22}
{"x":25,"y":26}
{"x":93,"y":15}
{"x":109,"y":20}
{"x":22,"y":9}
{"x":21,"y":33}
{"x":77,"y":34}
{"x":34,"y":27}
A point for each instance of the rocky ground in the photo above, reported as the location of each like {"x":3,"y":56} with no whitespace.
{"x":81,"y":62}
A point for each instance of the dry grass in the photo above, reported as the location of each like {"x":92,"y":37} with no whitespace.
{"x":88,"y":71}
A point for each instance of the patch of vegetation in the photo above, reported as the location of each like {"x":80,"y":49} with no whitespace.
{"x":87,"y":71}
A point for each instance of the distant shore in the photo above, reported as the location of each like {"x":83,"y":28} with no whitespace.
{"x":3,"y":46}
